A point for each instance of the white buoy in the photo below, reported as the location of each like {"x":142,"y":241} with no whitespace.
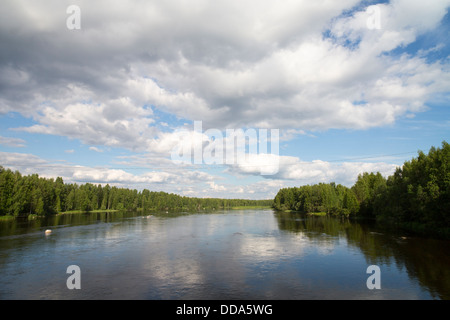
{"x":48,"y":231}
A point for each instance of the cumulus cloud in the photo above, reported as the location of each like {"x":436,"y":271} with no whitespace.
{"x":12,"y":142}
{"x":196,"y":182}
{"x":301,"y":66}
{"x":95,"y":149}
{"x":230,"y":63}
{"x":21,"y":159}
{"x":310,"y":172}
{"x":157,"y":180}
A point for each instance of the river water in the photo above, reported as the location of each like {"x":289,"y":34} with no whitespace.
{"x":226,"y":255}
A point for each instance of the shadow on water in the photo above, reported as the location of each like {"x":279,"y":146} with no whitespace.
{"x":425,"y":260}
{"x":23,"y":226}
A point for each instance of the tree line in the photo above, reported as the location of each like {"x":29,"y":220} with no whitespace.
{"x":416,"y":195}
{"x":327,"y":198}
{"x":22,"y":196}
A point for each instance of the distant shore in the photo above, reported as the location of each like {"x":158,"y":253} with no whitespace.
{"x":35,"y":216}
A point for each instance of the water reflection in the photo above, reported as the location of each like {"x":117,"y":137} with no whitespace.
{"x":253,"y":254}
{"x":425,"y":260}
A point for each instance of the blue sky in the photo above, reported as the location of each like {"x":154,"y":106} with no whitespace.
{"x":351,"y":86}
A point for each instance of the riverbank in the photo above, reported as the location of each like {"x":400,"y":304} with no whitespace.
{"x":250,"y":207}
{"x":35,"y":216}
{"x":317,"y":214}
{"x":413,"y":228}
{"x":91,"y":211}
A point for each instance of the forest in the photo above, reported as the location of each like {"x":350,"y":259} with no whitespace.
{"x":25,"y":196}
{"x":327,"y":198}
{"x":416,"y":196}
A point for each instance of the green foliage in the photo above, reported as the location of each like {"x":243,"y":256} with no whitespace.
{"x":329,"y":198}
{"x":369,"y":189}
{"x":417,"y":195}
{"x":36,"y":196}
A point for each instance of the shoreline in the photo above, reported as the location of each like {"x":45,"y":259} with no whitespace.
{"x":35,"y":216}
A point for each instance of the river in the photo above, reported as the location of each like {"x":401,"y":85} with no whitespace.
{"x":226,"y":255}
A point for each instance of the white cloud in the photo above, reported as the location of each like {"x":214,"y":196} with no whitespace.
{"x":95,"y":149}
{"x":115,"y":123}
{"x":12,"y":142}
{"x":160,"y":180}
{"x":169,"y":180}
{"x":311,"y":172}
{"x":23,"y":162}
{"x":230,"y":64}
{"x":194,"y":182}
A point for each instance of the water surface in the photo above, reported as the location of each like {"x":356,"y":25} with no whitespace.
{"x":248,"y":254}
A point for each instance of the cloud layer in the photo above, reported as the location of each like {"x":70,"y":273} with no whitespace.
{"x":302,"y":66}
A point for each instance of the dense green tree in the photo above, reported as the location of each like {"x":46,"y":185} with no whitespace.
{"x":417,"y":194}
{"x":329,"y":198}
{"x":25,"y":195}
{"x":369,"y":187}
